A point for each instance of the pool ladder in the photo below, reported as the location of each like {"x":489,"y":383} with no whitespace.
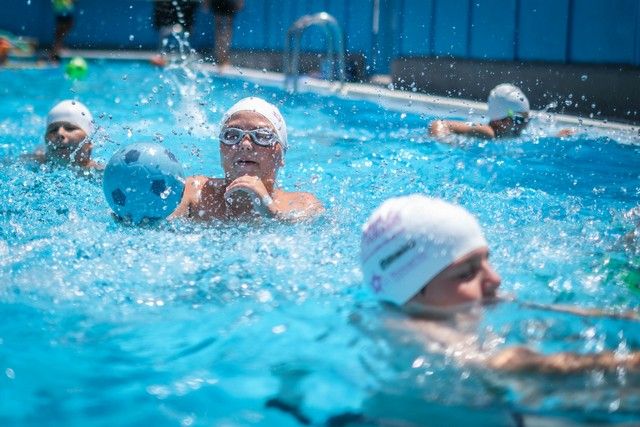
{"x":335,"y":44}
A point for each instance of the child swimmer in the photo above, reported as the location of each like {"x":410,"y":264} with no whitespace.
{"x":253,"y":141}
{"x":67,"y":141}
{"x":508,"y":116}
{"x":430,"y":258}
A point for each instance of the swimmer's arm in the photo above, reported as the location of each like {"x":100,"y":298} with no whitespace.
{"x":522,"y":359}
{"x":440,"y":128}
{"x":192,"y":188}
{"x":578,"y":311}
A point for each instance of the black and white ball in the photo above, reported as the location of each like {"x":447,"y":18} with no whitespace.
{"x":143,"y":181}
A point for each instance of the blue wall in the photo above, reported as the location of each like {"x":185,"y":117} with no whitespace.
{"x":566,"y":31}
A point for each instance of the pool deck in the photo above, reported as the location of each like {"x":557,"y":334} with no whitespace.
{"x":388,"y":97}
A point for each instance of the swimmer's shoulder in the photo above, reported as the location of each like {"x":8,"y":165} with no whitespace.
{"x":197,"y":183}
{"x":200,"y":193}
{"x":191,"y":195}
{"x":306,"y":204}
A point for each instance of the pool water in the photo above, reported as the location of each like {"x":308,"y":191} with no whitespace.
{"x":191,"y":324}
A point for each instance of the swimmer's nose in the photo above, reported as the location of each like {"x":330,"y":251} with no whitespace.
{"x":245,"y":143}
{"x":60,"y":134}
{"x":491,"y":280}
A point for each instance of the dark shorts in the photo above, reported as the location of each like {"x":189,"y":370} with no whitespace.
{"x":224,"y":7}
{"x":165,"y":14}
{"x":66,"y":19}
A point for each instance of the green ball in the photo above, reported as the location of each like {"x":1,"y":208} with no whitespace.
{"x":77,"y":68}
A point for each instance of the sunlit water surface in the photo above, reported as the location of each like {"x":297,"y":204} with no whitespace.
{"x":184,"y":324}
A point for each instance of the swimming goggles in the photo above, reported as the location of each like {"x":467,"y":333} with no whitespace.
{"x":263,"y":137}
{"x":518,"y":119}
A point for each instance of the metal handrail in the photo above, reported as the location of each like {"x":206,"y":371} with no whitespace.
{"x":335,"y":41}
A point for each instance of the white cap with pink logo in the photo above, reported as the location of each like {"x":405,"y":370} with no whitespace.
{"x":265,"y":109}
{"x":408,"y":240}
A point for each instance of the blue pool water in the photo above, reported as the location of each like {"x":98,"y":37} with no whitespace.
{"x":190,"y":324}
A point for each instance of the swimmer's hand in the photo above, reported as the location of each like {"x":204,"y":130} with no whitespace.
{"x":563,"y":133}
{"x":251,"y":189}
{"x":439,"y":128}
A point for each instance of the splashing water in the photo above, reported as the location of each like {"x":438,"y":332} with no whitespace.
{"x":202,"y":324}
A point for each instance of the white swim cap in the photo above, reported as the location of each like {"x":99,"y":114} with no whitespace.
{"x":74,"y":112}
{"x":408,"y":240}
{"x":505,"y":100}
{"x":265,"y":109}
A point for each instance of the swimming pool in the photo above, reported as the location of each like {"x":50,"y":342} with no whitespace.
{"x":202,"y":325}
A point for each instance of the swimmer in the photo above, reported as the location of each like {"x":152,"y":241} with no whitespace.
{"x":430,"y":258}
{"x":67,"y":141}
{"x":508,"y":117}
{"x":253,"y":141}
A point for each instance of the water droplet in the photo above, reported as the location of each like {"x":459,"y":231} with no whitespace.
{"x":131,"y":37}
{"x":584,"y":77}
{"x":279,"y":329}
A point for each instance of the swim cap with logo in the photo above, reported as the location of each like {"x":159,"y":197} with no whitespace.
{"x":409,"y":240}
{"x":506,"y":100}
{"x":265,"y":109}
{"x":73,"y":112}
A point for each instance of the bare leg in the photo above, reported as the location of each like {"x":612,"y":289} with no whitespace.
{"x":224,"y":27}
{"x":63,"y":27}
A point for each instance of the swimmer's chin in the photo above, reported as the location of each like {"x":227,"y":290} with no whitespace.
{"x":439,"y":312}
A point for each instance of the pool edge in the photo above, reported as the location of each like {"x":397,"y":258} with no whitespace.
{"x":387,"y":97}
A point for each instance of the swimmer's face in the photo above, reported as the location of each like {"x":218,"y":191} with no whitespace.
{"x":63,"y":138}
{"x":511,"y":126}
{"x":469,"y":279}
{"x":246,"y":157}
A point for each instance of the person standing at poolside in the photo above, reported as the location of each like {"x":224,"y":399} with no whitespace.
{"x":508,"y":116}
{"x":63,"y":10}
{"x":67,"y":137}
{"x":5,"y":48}
{"x":430,"y":259}
{"x":172,"y":17}
{"x":223,"y":12}
{"x":253,"y":141}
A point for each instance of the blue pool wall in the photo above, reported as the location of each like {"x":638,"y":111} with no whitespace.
{"x":557,"y":31}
